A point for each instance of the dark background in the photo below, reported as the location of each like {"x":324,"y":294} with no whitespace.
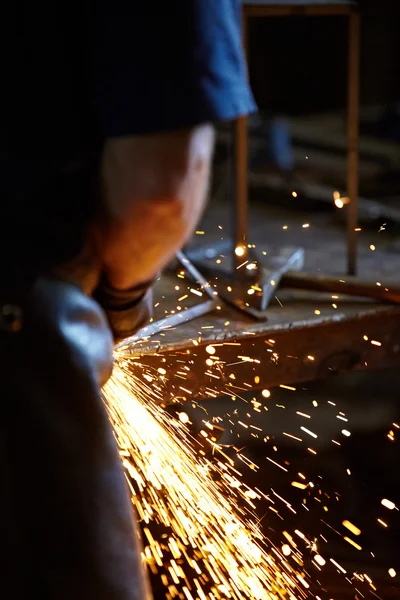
{"x":298,"y":64}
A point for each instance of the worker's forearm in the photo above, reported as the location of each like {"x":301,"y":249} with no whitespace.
{"x":155,"y":189}
{"x":136,"y":249}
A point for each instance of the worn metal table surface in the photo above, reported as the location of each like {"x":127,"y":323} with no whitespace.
{"x":206,"y":356}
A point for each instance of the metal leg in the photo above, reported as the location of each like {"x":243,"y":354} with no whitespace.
{"x":353,"y":133}
{"x":241,"y":179}
{"x":241,"y":191}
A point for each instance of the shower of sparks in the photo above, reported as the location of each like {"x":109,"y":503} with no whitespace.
{"x":204,"y":535}
{"x":212,"y":548}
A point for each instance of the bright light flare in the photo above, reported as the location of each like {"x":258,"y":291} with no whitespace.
{"x":240,"y":251}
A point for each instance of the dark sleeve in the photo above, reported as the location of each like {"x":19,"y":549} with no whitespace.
{"x":175,"y":65}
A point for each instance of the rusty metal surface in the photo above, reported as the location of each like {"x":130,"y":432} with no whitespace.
{"x":293,"y":345}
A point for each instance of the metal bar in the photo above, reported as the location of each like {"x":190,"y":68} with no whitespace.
{"x":163,"y":325}
{"x":241,"y":188}
{"x":195,"y":273}
{"x":287,"y":11}
{"x":351,"y":286}
{"x":240,"y":223}
{"x":194,"y":312}
{"x":353,"y":142}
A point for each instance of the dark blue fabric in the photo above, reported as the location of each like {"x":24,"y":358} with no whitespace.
{"x":166,"y":66}
{"x":77,"y":73}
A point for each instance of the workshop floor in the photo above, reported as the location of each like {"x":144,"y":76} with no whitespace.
{"x":349,"y":481}
{"x":351,"y":472}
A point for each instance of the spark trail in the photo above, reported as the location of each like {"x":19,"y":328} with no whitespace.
{"x":214,"y":548}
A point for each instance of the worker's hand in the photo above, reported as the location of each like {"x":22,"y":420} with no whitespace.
{"x":127,"y":310}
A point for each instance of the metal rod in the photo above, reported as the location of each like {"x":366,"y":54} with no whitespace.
{"x":241,"y":196}
{"x":241,"y":178}
{"x":350,"y":286}
{"x":353,"y":134}
{"x":278,"y":10}
{"x":194,"y":312}
{"x":195,"y":273}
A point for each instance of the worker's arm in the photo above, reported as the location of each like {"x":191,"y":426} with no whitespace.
{"x":154,"y":189}
{"x":161,"y":74}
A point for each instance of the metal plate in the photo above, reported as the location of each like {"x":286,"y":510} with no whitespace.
{"x":293,"y":345}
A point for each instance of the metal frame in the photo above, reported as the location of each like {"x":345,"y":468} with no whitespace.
{"x":241,"y":133}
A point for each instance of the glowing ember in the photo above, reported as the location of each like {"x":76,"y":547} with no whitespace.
{"x":183,"y":417}
{"x":239,"y":251}
{"x":351,"y":527}
{"x":319,"y":560}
